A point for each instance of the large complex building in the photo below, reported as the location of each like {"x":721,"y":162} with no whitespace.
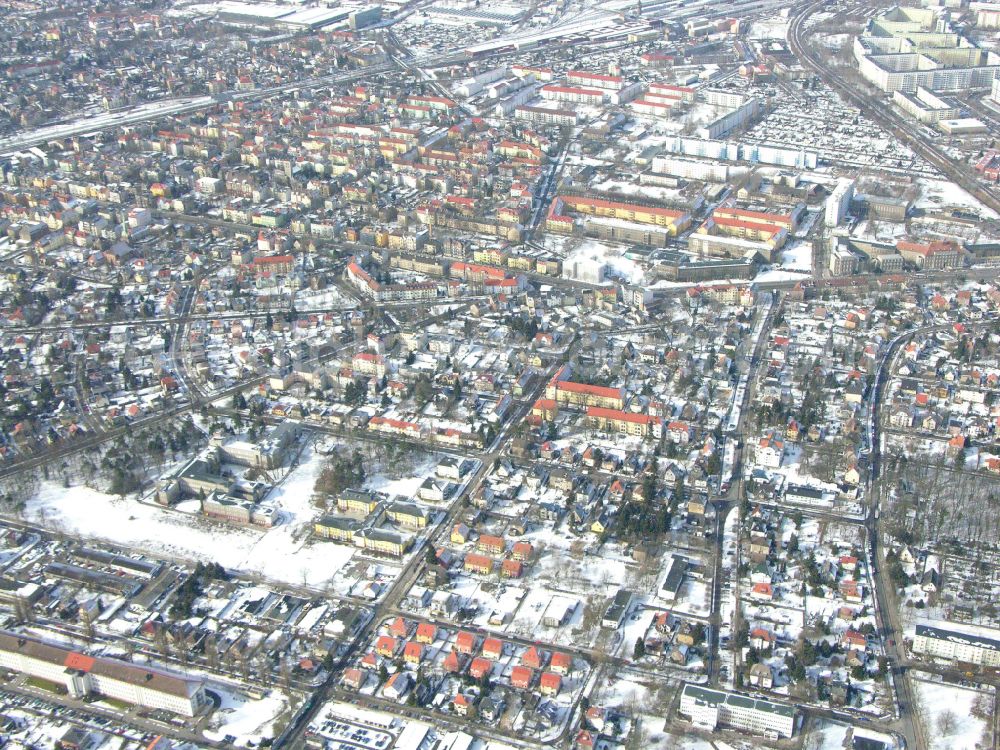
{"x":267,"y":453}
{"x":926,"y":106}
{"x":367,"y":285}
{"x":931,"y":256}
{"x":733,"y":232}
{"x":559,"y":218}
{"x":738,"y":110}
{"x":85,"y":675}
{"x":583,"y":394}
{"x":711,"y":709}
{"x":956,"y":643}
{"x":905,"y":48}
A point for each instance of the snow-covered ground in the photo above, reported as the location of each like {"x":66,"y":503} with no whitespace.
{"x":406,"y":486}
{"x":769,"y":28}
{"x":797,"y":257}
{"x":779,"y":274}
{"x":938,"y":195}
{"x":832,"y":735}
{"x":246,"y":719}
{"x":284,"y":552}
{"x":937,"y":700}
{"x":630,"y":188}
{"x":601,"y":252}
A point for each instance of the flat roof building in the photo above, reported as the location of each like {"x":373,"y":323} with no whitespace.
{"x":906,"y":48}
{"x":712,"y":709}
{"x":617,"y":610}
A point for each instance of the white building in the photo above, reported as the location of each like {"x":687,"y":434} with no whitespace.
{"x":546,"y":115}
{"x":683,"y":93}
{"x":926,"y":106}
{"x":587,"y":270}
{"x":691,"y":169}
{"x":730,"y":120}
{"x":757,"y":153}
{"x":594,"y":80}
{"x":473,"y":85}
{"x":653,"y":108}
{"x":578,"y":94}
{"x":905,"y":48}
{"x":769,"y":452}
{"x":838,"y":203}
{"x":711,"y":709}
{"x":84,"y":675}
{"x":958,"y":643}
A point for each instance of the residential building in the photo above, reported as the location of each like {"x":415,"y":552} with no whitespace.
{"x":958,"y":643}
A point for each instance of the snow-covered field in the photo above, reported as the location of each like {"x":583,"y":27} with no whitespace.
{"x":600,"y":252}
{"x":937,"y":700}
{"x":630,"y":188}
{"x":284,"y":552}
{"x":797,"y":257}
{"x":245,"y":719}
{"x":937,"y":195}
{"x":769,"y":28}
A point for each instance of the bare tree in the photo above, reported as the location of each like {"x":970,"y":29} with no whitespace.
{"x":161,"y":642}
{"x":212,"y":651}
{"x":947,"y":722}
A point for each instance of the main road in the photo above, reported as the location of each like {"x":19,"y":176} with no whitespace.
{"x":294,"y":734}
{"x":886,"y":616}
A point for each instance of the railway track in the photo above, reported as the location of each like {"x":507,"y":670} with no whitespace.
{"x":879,"y":112}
